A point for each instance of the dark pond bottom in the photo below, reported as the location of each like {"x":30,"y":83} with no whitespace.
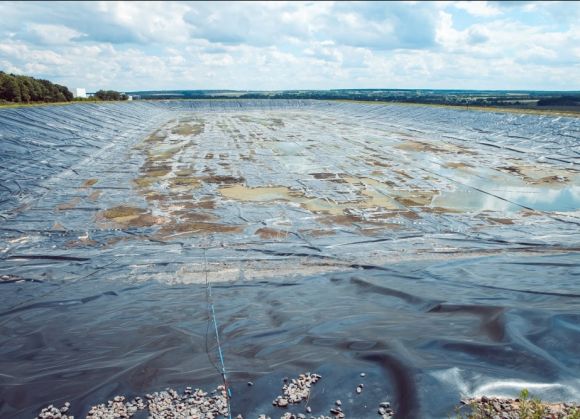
{"x":426,"y":334}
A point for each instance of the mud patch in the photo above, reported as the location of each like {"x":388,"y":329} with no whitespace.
{"x":188,"y":129}
{"x":129,"y":216}
{"x":457,"y":165}
{"x":202,"y":228}
{"x":540,"y":174}
{"x":184,"y":182}
{"x":271,"y":233}
{"x":419,"y":146}
{"x":68,"y":205}
{"x":94,"y":196}
{"x":88,"y":183}
{"x":260,"y":194}
{"x":223,"y":179}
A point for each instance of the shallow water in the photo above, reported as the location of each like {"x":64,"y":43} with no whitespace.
{"x":436,"y":250}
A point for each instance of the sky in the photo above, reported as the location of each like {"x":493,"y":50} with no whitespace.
{"x":131,"y":46}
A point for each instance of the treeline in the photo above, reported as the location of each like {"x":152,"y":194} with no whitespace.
{"x":110,"y":95}
{"x":25,"y":89}
{"x":560,"y":101}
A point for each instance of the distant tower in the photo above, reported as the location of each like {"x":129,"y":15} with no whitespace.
{"x":80,"y":92}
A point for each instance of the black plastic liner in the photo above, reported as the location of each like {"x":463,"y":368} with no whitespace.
{"x":433,"y":249}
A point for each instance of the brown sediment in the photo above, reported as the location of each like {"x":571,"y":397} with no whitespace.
{"x":370,"y":197}
{"x":187,"y":129}
{"x":68,"y":205}
{"x":538,"y":175}
{"x":198,"y":228}
{"x":441,"y":210}
{"x":129,"y":216}
{"x":344,"y":219}
{"x":457,"y":165}
{"x":259,"y":194}
{"x":58,"y":226}
{"x":184,"y":172}
{"x":529,"y":213}
{"x":277,"y":122}
{"x":144,"y":182}
{"x":158,"y":171}
{"x":94,"y":195}
{"x":223,"y":179}
{"x":155,"y":196}
{"x":207,"y":204}
{"x":190,"y":182}
{"x":330,"y":177}
{"x":155,"y":137}
{"x":317,"y":232}
{"x":410,"y":215}
{"x":548,"y":180}
{"x":163,"y":155}
{"x":379,"y":163}
{"x":324,"y":175}
{"x":271,"y":233}
{"x":80,"y":243}
{"x":122,"y":211}
{"x":411,"y":145}
{"x":372,"y":231}
{"x":190,"y":216}
{"x":403,"y":173}
{"x":88,"y":183}
{"x":143,"y":220}
{"x":505,"y":221}
{"x":411,"y":201}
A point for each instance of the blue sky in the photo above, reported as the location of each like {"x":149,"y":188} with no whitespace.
{"x":294,"y":45}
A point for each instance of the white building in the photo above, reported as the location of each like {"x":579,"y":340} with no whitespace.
{"x":80,"y":92}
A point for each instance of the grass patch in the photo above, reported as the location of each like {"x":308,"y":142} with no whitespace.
{"x":524,"y":407}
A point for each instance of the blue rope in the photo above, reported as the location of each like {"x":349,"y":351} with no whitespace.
{"x":217,"y":335}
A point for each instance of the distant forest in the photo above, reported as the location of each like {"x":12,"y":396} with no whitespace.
{"x":110,"y":95}
{"x":25,"y":89}
{"x":493,"y":98}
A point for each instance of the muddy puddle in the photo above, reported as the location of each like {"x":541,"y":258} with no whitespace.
{"x":435,"y":250}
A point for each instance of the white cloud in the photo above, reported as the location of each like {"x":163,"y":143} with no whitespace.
{"x":478,"y":8}
{"x":292,"y":45}
{"x":52,"y":34}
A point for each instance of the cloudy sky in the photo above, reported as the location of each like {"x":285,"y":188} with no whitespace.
{"x":290,"y":45}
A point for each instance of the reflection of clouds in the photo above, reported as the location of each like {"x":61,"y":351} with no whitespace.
{"x":471,"y":384}
{"x":512,"y":388}
{"x":575,"y":192}
{"x":540,"y":198}
{"x":562,"y":199}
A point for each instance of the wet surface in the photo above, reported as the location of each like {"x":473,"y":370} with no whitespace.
{"x":434,"y":249}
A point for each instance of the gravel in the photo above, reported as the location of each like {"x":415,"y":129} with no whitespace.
{"x":197,"y":404}
{"x":296,"y":390}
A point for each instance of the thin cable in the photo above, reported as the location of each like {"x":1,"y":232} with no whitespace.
{"x":211,"y":311}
